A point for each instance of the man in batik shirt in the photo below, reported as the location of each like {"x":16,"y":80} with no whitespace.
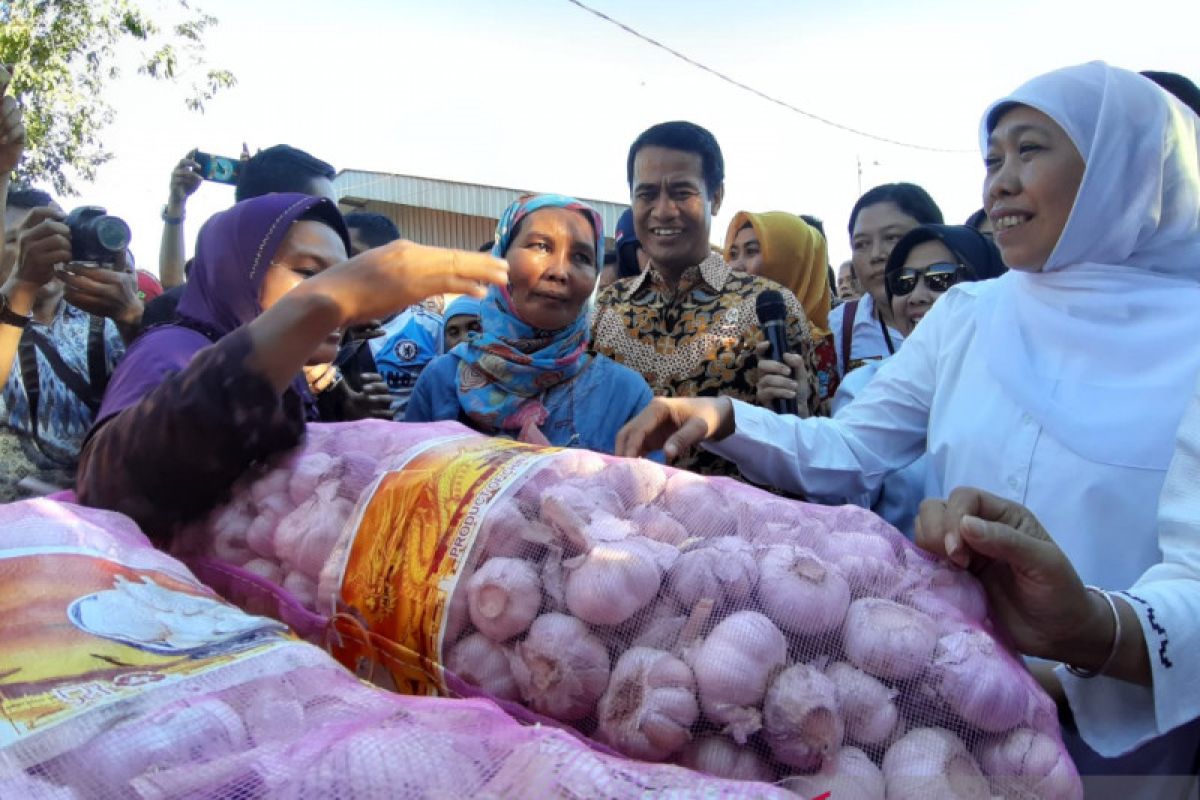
{"x":688,"y":323}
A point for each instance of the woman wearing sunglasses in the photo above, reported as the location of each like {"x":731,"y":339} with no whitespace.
{"x":928,"y":261}
{"x":923,"y":266}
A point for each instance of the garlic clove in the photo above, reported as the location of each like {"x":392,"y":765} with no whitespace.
{"x":888,"y":640}
{"x":637,"y":482}
{"x":1026,"y":763}
{"x":654,"y":523}
{"x":733,"y":665}
{"x":698,"y":505}
{"x":723,"y":569}
{"x":481,"y":662}
{"x":503,"y":597}
{"x":650,"y":705}
{"x":933,"y":763}
{"x":802,"y":720}
{"x":612,"y":581}
{"x":868,"y":705}
{"x":561,"y":669}
{"x":949,"y":593}
{"x":851,"y":774}
{"x":980,"y":682}
{"x":720,"y":756}
{"x":800,"y":592}
{"x":867,"y":561}
{"x":506,"y":532}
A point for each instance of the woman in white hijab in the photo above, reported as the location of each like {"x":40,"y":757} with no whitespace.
{"x":1060,"y":385}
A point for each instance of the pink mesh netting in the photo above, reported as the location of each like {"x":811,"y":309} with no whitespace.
{"x":267,"y":717}
{"x":669,"y":616}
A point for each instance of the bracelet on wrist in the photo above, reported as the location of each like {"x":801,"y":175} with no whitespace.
{"x":172,"y":220}
{"x":1116,"y":642}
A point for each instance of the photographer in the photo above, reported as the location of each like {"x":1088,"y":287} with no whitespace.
{"x":62,"y":331}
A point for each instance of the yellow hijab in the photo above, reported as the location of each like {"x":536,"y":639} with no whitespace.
{"x":794,"y":255}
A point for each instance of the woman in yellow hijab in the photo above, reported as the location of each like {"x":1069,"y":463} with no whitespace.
{"x":784,"y":248}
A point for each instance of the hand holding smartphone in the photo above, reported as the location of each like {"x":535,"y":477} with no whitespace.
{"x":218,"y":169}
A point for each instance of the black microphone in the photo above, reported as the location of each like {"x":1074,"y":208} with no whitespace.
{"x":772,"y":317}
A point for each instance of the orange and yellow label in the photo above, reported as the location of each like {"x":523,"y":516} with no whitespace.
{"x":79,"y":630}
{"x":416,"y":531}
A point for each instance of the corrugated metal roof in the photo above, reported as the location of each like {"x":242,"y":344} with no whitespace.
{"x":381,"y":189}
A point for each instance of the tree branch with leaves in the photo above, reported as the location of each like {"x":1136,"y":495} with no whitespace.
{"x":62,"y":56}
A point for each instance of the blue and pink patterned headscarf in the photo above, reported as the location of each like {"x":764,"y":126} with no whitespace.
{"x":503,"y":371}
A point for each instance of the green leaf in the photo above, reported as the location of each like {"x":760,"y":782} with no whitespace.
{"x":66,"y":54}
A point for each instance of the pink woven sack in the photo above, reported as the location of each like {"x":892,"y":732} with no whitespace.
{"x":121,"y":676}
{"x":669,"y":616}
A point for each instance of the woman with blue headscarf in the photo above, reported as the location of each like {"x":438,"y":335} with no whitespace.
{"x":528,"y":374}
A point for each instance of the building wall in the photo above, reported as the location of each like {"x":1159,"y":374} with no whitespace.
{"x":440,"y":228}
{"x":441,"y":213}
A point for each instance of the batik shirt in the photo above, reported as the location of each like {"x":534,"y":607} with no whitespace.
{"x":698,"y":338}
{"x":63,"y":417}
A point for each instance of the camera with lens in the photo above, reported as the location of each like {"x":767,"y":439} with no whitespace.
{"x":97,"y":236}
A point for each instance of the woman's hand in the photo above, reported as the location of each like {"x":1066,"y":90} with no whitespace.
{"x":381,"y":281}
{"x":778,"y":381}
{"x":675,"y":424}
{"x":1035,"y":593}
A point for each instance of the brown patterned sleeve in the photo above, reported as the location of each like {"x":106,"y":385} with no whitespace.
{"x":174,"y":456}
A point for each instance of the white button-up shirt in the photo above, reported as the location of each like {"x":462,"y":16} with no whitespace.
{"x":866,"y":335}
{"x":937,"y":397}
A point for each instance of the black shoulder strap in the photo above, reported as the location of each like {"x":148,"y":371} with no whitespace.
{"x":31,"y":379}
{"x":97,"y":357}
{"x":72,"y":379}
{"x":851,"y":310}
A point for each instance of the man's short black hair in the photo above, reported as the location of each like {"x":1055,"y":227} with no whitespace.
{"x":20,"y":197}
{"x":688,"y":137}
{"x":908,"y":197}
{"x":375,"y":230}
{"x":1187,"y":92}
{"x":281,"y":168}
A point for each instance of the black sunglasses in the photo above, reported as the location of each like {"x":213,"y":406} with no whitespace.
{"x":938,"y":278}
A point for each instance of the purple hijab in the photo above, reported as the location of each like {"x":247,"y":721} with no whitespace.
{"x":233,"y":251}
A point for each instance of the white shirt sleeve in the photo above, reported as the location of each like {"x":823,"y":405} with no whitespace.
{"x":1113,"y":716}
{"x":835,"y":460}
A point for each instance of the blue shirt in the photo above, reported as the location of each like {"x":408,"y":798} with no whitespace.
{"x":585,"y":412}
{"x":63,"y":418}
{"x":412,"y":339}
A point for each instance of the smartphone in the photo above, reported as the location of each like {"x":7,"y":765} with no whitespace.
{"x":218,"y":169}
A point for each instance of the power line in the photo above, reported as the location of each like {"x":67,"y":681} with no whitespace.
{"x":722,"y":76}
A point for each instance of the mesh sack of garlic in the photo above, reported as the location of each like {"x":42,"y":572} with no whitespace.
{"x":669,"y":616}
{"x":122,"y":676}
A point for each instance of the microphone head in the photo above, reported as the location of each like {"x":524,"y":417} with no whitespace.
{"x":770,"y":307}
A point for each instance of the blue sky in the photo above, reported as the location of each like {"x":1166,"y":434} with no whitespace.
{"x":539,"y":95}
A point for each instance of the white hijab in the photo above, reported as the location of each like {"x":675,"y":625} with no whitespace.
{"x":1102,"y":347}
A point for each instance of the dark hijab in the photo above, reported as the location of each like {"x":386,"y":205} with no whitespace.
{"x":233,"y":252}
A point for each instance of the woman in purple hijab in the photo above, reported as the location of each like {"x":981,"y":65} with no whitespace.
{"x":197,"y":403}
